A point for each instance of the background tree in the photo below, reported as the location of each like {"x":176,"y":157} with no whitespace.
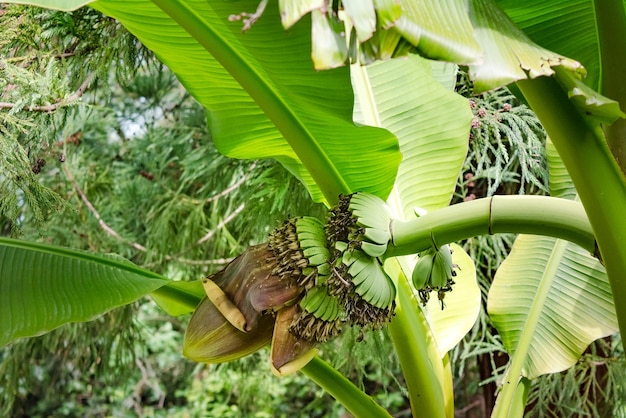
{"x":147,"y":173}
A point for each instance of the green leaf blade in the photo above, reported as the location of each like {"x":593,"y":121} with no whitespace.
{"x":431,"y":122}
{"x":286,"y":110}
{"x":509,"y":55}
{"x":43,"y":287}
{"x":440,"y":29}
{"x":552,"y":25}
{"x":64,"y":5}
{"x":578,"y":308}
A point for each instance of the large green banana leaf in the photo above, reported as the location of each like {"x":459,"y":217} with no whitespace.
{"x":475,"y":33}
{"x":431,"y":122}
{"x":263,"y":97}
{"x":43,"y":287}
{"x":432,"y":126}
{"x":552,"y":25}
{"x":550,"y":299}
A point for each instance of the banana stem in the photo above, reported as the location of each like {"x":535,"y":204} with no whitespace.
{"x":611,"y":24}
{"x":344,"y":391}
{"x":417,"y":350}
{"x":536,"y":215}
{"x":599,"y":181}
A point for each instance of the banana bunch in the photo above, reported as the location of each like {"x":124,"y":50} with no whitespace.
{"x":300,"y":251}
{"x":298,"y":288}
{"x":320,"y":304}
{"x":363,"y":221}
{"x":372,"y":220}
{"x":321,"y":316}
{"x":434,"y":271}
{"x":369,"y":279}
{"x":359,"y":230}
{"x":366,"y":293}
{"x":313,"y":244}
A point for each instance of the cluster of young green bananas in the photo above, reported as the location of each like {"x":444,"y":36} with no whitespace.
{"x":300,"y":251}
{"x":371,"y":227}
{"x":434,"y":271}
{"x":361,"y":220}
{"x":338,"y":267}
{"x":367,"y":293}
{"x":298,"y":289}
{"x":359,"y":231}
{"x":320,"y":315}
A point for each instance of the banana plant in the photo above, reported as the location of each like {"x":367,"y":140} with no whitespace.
{"x":265,"y":99}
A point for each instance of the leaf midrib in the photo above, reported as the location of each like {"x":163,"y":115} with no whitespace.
{"x":264,"y":93}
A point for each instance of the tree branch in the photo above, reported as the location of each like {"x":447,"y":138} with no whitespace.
{"x":95,"y":213}
{"x":139,"y":247}
{"x":54,"y":106}
{"x":234,"y":186}
{"x":226,"y":220}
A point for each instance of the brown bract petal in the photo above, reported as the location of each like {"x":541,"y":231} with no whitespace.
{"x":210,"y":338}
{"x":289,"y":353}
{"x":249,"y":283}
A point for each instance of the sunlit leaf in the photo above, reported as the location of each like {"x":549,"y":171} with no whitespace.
{"x":263,"y":96}
{"x":578,"y":308}
{"x":431,"y":122}
{"x":509,"y":54}
{"x":440,"y":29}
{"x":552,"y":25}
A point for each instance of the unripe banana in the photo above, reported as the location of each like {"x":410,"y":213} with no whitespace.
{"x":439,"y":275}
{"x":301,"y":251}
{"x":434,"y":271}
{"x":312,"y":301}
{"x":423,"y":270}
{"x":373,"y":285}
{"x":363,"y":221}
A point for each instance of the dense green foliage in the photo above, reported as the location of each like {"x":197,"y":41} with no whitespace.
{"x":129,"y":168}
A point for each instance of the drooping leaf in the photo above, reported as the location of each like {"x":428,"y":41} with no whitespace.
{"x":440,"y":29}
{"x":553,"y":24}
{"x":577,"y":310}
{"x":363,"y":17}
{"x":595,"y":107}
{"x":579,"y":306}
{"x":329,"y":48}
{"x":286,"y":110}
{"x":43,"y":287}
{"x":509,"y":54}
{"x":431,"y":122}
{"x":292,"y":10}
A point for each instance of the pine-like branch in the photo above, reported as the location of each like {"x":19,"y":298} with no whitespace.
{"x":54,"y":106}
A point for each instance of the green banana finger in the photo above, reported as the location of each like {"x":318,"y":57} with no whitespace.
{"x":422,"y":271}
